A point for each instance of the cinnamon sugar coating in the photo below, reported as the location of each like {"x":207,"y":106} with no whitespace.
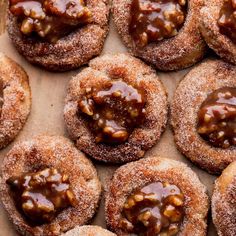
{"x":89,"y":230}
{"x":140,"y":173}
{"x":16,"y":99}
{"x":57,"y":152}
{"x":71,"y":51}
{"x":191,"y":92}
{"x":210,"y":30}
{"x":178,"y":52}
{"x":224,"y":202}
{"x":131,"y":70}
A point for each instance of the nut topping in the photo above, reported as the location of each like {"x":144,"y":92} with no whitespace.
{"x":227,"y":19}
{"x":217,"y":118}
{"x":113,"y":111}
{"x":49,"y":19}
{"x":155,"y":20}
{"x":42,"y":195}
{"x":156,"y":209}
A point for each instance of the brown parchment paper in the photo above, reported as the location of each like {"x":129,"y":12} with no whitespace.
{"x":48,"y":93}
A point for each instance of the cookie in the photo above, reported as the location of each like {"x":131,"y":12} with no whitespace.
{"x":202,"y":115}
{"x":15,"y":99}
{"x":156,"y":196}
{"x":223,"y":202}
{"x":116,"y":109}
{"x":48,"y":186}
{"x":183,"y":45}
{"x":217,"y":26}
{"x":89,"y":230}
{"x":84,"y":35}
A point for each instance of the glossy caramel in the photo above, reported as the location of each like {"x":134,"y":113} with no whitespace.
{"x":50,"y":20}
{"x":217,"y":118}
{"x":113,"y":111}
{"x":153,"y":210}
{"x":155,"y":20}
{"x":41,"y":195}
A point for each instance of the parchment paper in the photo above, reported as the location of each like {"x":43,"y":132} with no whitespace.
{"x":48,"y":93}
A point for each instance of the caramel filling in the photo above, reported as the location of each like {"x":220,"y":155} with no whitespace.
{"x":217,"y":118}
{"x":113,"y":112}
{"x":155,"y":20}
{"x":50,"y":19}
{"x":156,"y":209}
{"x":42,"y":195}
{"x":227,"y":19}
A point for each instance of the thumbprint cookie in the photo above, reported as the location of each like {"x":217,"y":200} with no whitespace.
{"x":156,"y":196}
{"x":116,"y":109}
{"x":203,"y":115}
{"x":15,"y":99}
{"x":218,"y":27}
{"x":224,"y":202}
{"x":162,"y":32}
{"x":48,"y":186}
{"x":58,"y":35}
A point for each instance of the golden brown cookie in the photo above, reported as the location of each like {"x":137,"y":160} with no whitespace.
{"x":156,"y":195}
{"x":209,"y":145}
{"x":15,"y":99}
{"x":48,"y":186}
{"x":214,"y":34}
{"x":70,"y":51}
{"x":89,"y":230}
{"x":177,"y":52}
{"x":116,"y":109}
{"x":224,"y":201}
